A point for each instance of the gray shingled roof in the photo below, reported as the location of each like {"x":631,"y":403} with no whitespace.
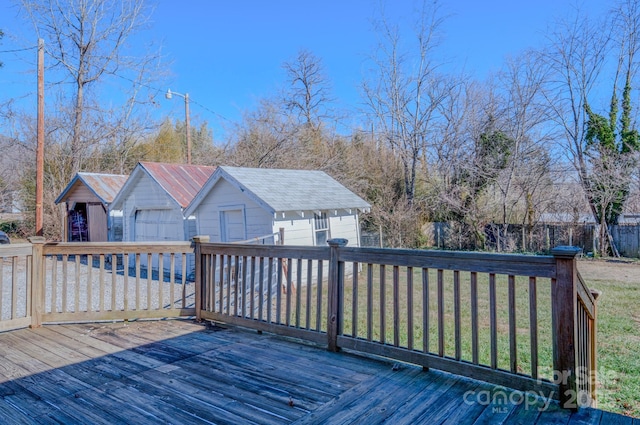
{"x":295,"y":190}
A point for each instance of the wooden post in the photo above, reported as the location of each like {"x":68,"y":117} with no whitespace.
{"x":564,"y":319}
{"x":40,"y":142}
{"x":281,"y":240}
{"x":199,"y":284}
{"x":37,"y":281}
{"x":336,"y":277}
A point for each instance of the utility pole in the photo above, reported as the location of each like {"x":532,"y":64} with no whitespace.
{"x":169,"y":95}
{"x":40,"y":141}
{"x":188,"y":127}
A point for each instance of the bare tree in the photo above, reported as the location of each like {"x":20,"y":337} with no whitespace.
{"x":86,"y":43}
{"x":577,"y":53}
{"x":406,"y":90}
{"x":87,"y":46}
{"x":1,"y":35}
{"x":599,"y":146}
{"x":525,"y":118}
{"x":265,"y":139}
{"x":308,"y":94}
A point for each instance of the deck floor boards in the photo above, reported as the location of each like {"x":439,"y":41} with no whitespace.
{"x":179,"y":371}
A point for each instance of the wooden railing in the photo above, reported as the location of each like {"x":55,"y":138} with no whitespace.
{"x":59,"y":282}
{"x":506,"y":319}
{"x":15,"y":286}
{"x":587,"y":365}
{"x":525,"y":322}
{"x":280,"y":289}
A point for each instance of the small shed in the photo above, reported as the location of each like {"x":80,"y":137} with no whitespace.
{"x":153,"y":200}
{"x":87,"y":199}
{"x":239,"y":204}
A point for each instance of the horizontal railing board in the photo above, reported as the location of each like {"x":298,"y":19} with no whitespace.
{"x":116,"y":315}
{"x":470,"y":370}
{"x":520,"y":265}
{"x":585,"y":296}
{"x":15,"y":250}
{"x":284,"y":330}
{"x":13,"y":324}
{"x":275,"y":251}
{"x":97,"y":248}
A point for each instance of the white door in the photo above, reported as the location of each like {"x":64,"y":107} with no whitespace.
{"x":232,"y":222}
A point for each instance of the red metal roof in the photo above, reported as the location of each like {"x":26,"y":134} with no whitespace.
{"x":181,"y":181}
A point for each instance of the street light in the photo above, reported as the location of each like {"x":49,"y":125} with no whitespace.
{"x":169,"y":95}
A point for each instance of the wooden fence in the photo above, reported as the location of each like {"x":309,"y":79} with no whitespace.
{"x":540,"y":238}
{"x":525,"y":322}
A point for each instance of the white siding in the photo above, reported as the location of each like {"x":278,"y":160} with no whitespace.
{"x":146,"y":194}
{"x":298,"y":230}
{"x":225,"y":196}
{"x":344,"y":226}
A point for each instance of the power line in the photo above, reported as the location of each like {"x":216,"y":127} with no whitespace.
{"x":163,"y":91}
{"x":131,"y":81}
{"x":209,"y":110}
{"x":19,"y":50}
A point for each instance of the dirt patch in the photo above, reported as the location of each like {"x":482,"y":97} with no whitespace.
{"x":621,"y":271}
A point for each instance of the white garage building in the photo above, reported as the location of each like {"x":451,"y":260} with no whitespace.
{"x":154,"y":198}
{"x":238,"y":204}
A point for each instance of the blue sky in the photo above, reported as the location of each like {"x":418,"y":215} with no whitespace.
{"x":228,"y":54}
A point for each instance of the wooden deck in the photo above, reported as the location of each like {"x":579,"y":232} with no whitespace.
{"x":178,"y":371}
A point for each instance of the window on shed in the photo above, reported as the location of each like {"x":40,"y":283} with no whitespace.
{"x":321,"y":228}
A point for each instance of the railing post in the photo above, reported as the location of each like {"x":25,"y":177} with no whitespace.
{"x":564,"y":319}
{"x":199,"y":277}
{"x":336,"y":276}
{"x":37,"y":280}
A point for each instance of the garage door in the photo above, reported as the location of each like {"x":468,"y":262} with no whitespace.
{"x":158,"y":225}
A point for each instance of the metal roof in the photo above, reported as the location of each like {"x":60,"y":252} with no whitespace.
{"x":289,"y":190}
{"x":181,"y":181}
{"x":104,"y":186}
{"x":584,"y":218}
